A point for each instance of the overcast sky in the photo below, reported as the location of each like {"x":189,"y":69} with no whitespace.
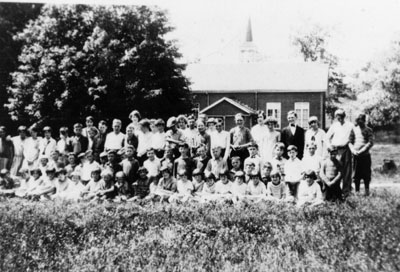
{"x":211,"y":31}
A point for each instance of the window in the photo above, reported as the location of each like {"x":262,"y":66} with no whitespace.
{"x":303,"y":113}
{"x":274,"y":109}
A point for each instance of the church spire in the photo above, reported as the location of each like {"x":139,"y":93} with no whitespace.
{"x":249,"y":33}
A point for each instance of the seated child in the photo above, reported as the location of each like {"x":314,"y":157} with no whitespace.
{"x":217,"y":164}
{"x":123,"y":190}
{"x":7,"y":183}
{"x":223,"y":185}
{"x":198,"y":181}
{"x":34,"y":182}
{"x":75,"y":187}
{"x":23,"y":182}
{"x":184,"y":188}
{"x":87,"y":166}
{"x":61,"y":183}
{"x":208,"y":193}
{"x":141,"y":187}
{"x":256,"y":190}
{"x":293,"y":171}
{"x":331,"y":175}
{"x":239,"y":187}
{"x":310,"y":193}
{"x":253,"y":157}
{"x":43,"y":164}
{"x":266,"y":173}
{"x":249,"y":167}
{"x":167,"y":184}
{"x":94,"y":186}
{"x":47,"y":187}
{"x":108,"y":192}
{"x":276,"y":190}
{"x":236,"y":167}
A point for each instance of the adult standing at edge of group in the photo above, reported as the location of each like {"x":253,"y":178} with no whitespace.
{"x":338,"y":135}
{"x":101,"y":137}
{"x":6,"y":149}
{"x":19,"y":142}
{"x":361,"y":141}
{"x":315,"y":135}
{"x":240,"y":139}
{"x":293,"y":134}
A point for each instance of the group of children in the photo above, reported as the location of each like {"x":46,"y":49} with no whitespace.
{"x":179,"y":180}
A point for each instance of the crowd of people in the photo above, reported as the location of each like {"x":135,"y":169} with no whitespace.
{"x":188,"y":159}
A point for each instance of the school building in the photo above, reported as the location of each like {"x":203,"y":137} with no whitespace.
{"x":254,"y":83}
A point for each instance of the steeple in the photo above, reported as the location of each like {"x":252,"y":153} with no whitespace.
{"x":248,"y":51}
{"x":249,"y":33}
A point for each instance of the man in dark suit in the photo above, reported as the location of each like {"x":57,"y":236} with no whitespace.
{"x":293,"y":135}
{"x":79,"y":143}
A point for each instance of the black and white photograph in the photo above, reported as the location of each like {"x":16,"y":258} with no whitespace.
{"x":193,"y":135}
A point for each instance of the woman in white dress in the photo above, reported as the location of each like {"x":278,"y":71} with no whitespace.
{"x":270,"y":139}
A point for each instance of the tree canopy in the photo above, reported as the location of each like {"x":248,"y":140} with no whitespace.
{"x":103,"y":61}
{"x":312,"y":45}
{"x":13,"y":18}
{"x":378,"y":87}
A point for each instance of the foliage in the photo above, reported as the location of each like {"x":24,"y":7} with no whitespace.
{"x":99,"y":60}
{"x":312,"y":45}
{"x":13,"y":18}
{"x":361,"y":234}
{"x":378,"y":88}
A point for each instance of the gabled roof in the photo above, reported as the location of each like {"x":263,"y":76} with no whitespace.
{"x":244,"y":108}
{"x":259,"y":76}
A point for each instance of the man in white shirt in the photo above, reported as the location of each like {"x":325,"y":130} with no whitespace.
{"x":115,"y":139}
{"x":338,"y":135}
{"x":221,"y":138}
{"x":48,"y":144}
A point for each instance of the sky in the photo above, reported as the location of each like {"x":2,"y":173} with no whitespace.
{"x":212,"y":31}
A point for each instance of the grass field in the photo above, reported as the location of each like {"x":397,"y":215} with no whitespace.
{"x":379,"y":152}
{"x":362,"y":234}
{"x":359,"y":235}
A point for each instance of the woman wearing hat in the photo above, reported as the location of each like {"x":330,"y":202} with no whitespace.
{"x":32,"y":149}
{"x":271,"y":138}
{"x":315,"y":135}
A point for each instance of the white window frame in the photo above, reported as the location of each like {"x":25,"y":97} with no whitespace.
{"x":303,"y":113}
{"x":276,"y":108}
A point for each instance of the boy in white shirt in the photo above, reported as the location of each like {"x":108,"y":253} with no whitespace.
{"x":115,"y":139}
{"x":309,"y":191}
{"x":253,"y":157}
{"x":311,"y":161}
{"x":152,"y":164}
{"x":293,"y":171}
{"x":278,"y":159}
{"x":217,"y":164}
{"x":87,"y":166}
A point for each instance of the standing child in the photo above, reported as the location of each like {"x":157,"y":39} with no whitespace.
{"x":266,"y":173}
{"x":309,"y":191}
{"x":236,"y":167}
{"x":278,"y":159}
{"x":184,"y":162}
{"x":130,"y":165}
{"x":293,"y":171}
{"x":331,"y":175}
{"x":152,"y":164}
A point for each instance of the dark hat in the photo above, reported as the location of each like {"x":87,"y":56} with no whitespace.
{"x":210,"y":176}
{"x":183,"y":144}
{"x":292,"y":147}
{"x":143,"y":169}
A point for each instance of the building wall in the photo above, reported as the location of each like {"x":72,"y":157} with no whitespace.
{"x":258,"y":101}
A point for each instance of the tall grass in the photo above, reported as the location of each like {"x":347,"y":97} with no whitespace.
{"x":361,"y":234}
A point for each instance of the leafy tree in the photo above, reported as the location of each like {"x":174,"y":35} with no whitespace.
{"x":378,"y":88}
{"x":13,"y":18}
{"x":99,"y":60}
{"x":312,"y":45}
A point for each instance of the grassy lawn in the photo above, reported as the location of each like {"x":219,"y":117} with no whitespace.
{"x":361,"y":234}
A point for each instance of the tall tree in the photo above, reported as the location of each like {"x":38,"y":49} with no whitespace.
{"x":98,"y":60}
{"x":13,"y":18}
{"x":312,"y":45}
